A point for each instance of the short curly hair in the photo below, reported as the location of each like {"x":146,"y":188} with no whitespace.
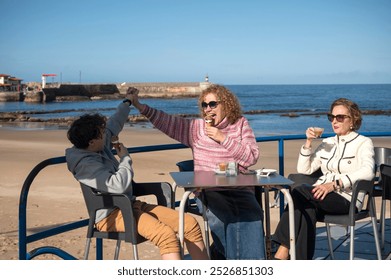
{"x":354,"y":111}
{"x":85,"y":129}
{"x":227,"y":99}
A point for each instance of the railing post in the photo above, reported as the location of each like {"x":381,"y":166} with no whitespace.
{"x":281,"y":156}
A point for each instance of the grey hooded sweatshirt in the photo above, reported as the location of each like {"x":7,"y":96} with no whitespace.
{"x":102,"y":171}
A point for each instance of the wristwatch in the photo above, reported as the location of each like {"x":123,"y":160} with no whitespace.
{"x":337,"y":186}
{"x":127,"y":101}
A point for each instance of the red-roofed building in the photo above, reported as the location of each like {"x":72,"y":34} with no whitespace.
{"x":9,"y":83}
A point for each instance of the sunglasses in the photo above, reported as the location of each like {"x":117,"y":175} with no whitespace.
{"x":212,"y":104}
{"x":339,"y":118}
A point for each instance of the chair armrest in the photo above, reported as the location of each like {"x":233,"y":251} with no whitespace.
{"x":364,"y":186}
{"x":161,"y":190}
{"x":361,"y":186}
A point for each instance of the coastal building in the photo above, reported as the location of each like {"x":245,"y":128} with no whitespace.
{"x":9,"y":83}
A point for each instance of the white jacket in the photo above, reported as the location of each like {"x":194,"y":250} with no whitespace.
{"x":348,"y":158}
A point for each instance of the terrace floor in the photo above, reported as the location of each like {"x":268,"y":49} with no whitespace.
{"x":364,"y":242}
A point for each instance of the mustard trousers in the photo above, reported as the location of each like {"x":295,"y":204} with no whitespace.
{"x":157,"y":224}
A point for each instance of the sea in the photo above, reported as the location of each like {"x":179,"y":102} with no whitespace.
{"x":270,"y":109}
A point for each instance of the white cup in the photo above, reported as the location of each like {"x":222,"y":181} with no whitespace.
{"x":318,"y":131}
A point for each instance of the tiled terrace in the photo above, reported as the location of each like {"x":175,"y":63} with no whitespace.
{"x":364,"y":242}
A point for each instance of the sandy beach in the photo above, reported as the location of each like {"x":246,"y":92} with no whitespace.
{"x":55,"y":197}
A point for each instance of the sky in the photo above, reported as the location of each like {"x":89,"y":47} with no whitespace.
{"x":233,"y":42}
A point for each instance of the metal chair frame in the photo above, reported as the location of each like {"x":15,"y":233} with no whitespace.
{"x":382,"y":156}
{"x":96,"y":200}
{"x":385,"y":182}
{"x":350,"y":219}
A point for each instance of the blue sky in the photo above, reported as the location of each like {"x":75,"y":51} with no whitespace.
{"x":234,"y":42}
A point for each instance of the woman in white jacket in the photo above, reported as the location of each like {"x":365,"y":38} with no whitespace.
{"x":343,"y":159}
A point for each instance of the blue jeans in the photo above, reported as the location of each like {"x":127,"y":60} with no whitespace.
{"x":235,"y":221}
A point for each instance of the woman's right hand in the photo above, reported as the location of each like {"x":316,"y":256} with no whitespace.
{"x":132,"y":95}
{"x":310,"y":134}
{"x":122,"y":151}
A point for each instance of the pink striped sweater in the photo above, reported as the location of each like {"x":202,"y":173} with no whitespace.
{"x":239,"y":145}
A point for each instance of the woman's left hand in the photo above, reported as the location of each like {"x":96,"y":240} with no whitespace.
{"x":215,"y":133}
{"x":320,"y":191}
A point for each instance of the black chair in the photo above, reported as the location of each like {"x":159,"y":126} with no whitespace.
{"x":382,"y":156}
{"x":96,"y":200}
{"x":350,"y":219}
{"x":368,"y":211}
{"x":188,"y":165}
{"x":385,"y":182}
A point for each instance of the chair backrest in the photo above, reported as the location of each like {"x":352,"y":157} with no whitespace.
{"x":385,"y":172}
{"x":382,"y":156}
{"x":186,"y":165}
{"x":161,"y":190}
{"x":95,"y":200}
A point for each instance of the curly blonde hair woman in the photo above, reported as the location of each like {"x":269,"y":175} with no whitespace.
{"x":228,"y":100}
{"x":235,"y":217}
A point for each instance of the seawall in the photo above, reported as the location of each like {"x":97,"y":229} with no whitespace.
{"x":76,"y":92}
{"x":166,"y":90}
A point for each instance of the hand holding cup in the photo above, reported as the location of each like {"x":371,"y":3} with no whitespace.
{"x":318,"y":131}
{"x":115,"y":141}
{"x":314,"y":132}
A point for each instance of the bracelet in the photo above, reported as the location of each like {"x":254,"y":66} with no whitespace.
{"x":127,"y":100}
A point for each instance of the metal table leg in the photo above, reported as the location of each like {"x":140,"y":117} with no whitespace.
{"x":292,"y":240}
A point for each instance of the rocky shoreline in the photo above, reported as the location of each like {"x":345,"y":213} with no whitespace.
{"x":16,"y":118}
{"x":80,"y":92}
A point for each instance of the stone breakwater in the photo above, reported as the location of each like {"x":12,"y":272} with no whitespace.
{"x":82,"y":92}
{"x":165,"y":90}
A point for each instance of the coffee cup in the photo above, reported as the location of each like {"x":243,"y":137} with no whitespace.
{"x":318,"y":131}
{"x":115,"y":141}
{"x":222,"y":166}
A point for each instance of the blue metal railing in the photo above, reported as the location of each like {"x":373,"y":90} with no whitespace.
{"x":25,"y":239}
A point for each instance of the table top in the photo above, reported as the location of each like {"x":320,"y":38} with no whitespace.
{"x":209,"y":179}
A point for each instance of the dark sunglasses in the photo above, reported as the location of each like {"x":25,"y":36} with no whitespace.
{"x":339,"y":118}
{"x":212,"y":104}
